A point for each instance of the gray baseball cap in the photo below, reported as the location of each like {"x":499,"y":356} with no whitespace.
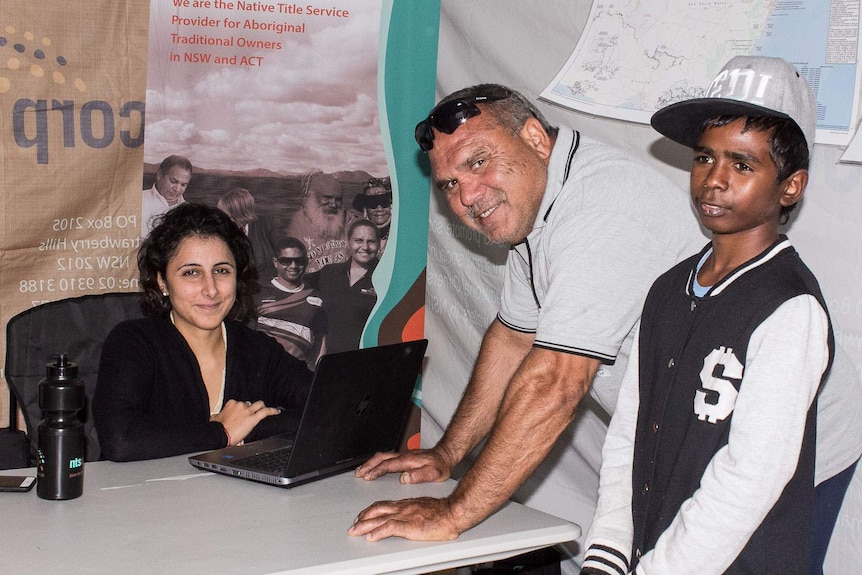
{"x":747,"y":86}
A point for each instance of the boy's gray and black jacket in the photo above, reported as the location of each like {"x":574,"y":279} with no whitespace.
{"x":709,"y":462}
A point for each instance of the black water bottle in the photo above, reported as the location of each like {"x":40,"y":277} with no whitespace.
{"x":61,"y":433}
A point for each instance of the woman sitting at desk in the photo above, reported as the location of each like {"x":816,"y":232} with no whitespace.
{"x":191,"y":377}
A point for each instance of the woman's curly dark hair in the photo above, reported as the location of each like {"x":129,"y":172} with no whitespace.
{"x":184,"y":221}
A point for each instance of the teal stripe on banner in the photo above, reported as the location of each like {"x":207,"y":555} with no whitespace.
{"x":407,"y":71}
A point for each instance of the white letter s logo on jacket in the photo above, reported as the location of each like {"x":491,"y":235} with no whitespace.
{"x":719,"y":367}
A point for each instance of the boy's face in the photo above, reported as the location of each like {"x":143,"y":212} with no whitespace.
{"x":734,"y":184}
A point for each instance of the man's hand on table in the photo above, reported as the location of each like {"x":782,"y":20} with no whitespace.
{"x":418,"y":519}
{"x":416,"y":466}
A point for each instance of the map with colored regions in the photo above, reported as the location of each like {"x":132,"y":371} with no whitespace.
{"x":637,"y":56}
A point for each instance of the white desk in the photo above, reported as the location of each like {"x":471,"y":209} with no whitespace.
{"x":164,"y":516}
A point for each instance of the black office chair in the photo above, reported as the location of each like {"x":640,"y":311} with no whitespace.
{"x":77,"y":326}
{"x":14,"y":447}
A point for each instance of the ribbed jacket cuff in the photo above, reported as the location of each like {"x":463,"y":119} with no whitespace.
{"x":603,"y":559}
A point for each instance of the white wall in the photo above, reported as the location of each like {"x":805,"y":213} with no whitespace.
{"x":523,"y":44}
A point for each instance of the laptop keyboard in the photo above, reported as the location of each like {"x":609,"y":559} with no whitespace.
{"x":270,"y":461}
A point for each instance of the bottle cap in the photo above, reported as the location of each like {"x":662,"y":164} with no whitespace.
{"x":61,"y":390}
{"x":62,"y":368}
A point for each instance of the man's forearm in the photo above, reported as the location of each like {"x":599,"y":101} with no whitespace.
{"x":501,"y":354}
{"x":538,"y":406}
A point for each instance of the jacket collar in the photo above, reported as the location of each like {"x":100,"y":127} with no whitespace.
{"x":781,"y":245}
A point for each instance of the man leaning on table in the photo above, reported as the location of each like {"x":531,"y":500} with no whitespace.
{"x":589,"y":228}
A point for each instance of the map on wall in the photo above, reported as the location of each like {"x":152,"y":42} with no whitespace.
{"x":637,"y":56}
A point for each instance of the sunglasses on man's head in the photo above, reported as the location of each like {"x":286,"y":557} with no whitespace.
{"x":447,"y":116}
{"x":286,"y":261}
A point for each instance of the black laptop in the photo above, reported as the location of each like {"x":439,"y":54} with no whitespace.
{"x":358,"y":405}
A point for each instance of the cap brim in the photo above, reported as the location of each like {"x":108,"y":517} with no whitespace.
{"x":682,"y":121}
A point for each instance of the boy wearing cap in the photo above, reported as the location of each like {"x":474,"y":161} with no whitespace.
{"x":708,"y":465}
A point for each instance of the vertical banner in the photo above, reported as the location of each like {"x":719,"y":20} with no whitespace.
{"x":297,"y":120}
{"x":72,"y":92}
